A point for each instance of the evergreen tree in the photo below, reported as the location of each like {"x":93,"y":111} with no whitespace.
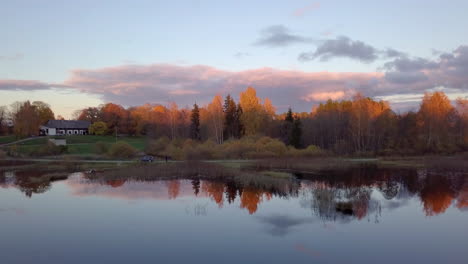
{"x":286,"y":128}
{"x":238,"y":126}
{"x":289,"y":116}
{"x":229,"y":118}
{"x":296,"y":133}
{"x":195,"y":125}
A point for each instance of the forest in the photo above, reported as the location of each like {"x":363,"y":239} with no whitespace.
{"x":358,"y":126}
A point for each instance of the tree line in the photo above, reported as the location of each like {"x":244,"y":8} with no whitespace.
{"x":358,"y":125}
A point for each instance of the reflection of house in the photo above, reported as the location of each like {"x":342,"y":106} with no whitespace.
{"x":65,"y":127}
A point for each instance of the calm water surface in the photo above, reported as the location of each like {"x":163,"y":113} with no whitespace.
{"x":359,"y":215}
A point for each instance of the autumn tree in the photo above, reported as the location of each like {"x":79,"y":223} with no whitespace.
{"x":91,"y":114}
{"x":115,"y":117}
{"x":252,"y":115}
{"x":434,"y":121}
{"x":26,"y":119}
{"x":44,"y":111}
{"x":216,"y":118}
{"x":195,"y":123}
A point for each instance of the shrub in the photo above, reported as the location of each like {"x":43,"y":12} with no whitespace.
{"x":174,"y":152}
{"x":49,"y":149}
{"x":156,"y":147}
{"x":312,"y":151}
{"x":236,"y":149}
{"x":122,"y":149}
{"x":101,"y":148}
{"x":98,"y":128}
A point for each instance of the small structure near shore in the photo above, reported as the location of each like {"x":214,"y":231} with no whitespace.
{"x":58,"y":142}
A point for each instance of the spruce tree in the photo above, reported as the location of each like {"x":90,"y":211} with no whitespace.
{"x":229,"y":117}
{"x":238,"y":126}
{"x":195,"y":125}
{"x":296,"y":133}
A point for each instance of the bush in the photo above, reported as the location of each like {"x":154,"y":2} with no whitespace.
{"x":157,"y":147}
{"x":49,"y":149}
{"x":101,"y":148}
{"x":3,"y":154}
{"x":174,"y":152}
{"x":122,"y":149}
{"x":98,"y":129}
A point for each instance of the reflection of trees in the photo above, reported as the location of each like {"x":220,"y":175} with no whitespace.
{"x":436,"y":195}
{"x":347,"y":194}
{"x":463,"y":198}
{"x":215,"y":190}
{"x":115,"y":183}
{"x":250,"y":199}
{"x":173,"y":189}
{"x":331,"y":204}
{"x":30,"y":182}
{"x":232,"y":188}
{"x":196,"y":186}
{"x":389,"y":189}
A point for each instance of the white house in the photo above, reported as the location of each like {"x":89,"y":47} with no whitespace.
{"x":65,"y":127}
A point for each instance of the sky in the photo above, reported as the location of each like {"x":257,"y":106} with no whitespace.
{"x":75,"y":54}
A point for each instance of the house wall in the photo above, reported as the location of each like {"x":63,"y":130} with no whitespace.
{"x":52,"y":131}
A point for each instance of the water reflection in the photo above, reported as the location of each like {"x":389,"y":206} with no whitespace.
{"x":341,"y":196}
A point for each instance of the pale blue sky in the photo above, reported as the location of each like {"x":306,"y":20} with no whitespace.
{"x":46,"y":40}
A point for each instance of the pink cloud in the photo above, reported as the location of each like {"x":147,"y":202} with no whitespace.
{"x":323,"y":96}
{"x":303,"y":10}
{"x":160,"y":83}
{"x":183,"y":92}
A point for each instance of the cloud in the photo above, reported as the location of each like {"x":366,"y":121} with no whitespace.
{"x":306,"y":9}
{"x":17,"y":56}
{"x":23,"y":85}
{"x":405,"y":64}
{"x":160,"y":83}
{"x":343,"y":47}
{"x":279,"y":36}
{"x":241,"y":55}
{"x":405,"y":77}
{"x":392,"y":53}
{"x":183,"y":92}
{"x":323,"y":96}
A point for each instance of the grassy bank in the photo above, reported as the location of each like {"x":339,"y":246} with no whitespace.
{"x":77,"y":144}
{"x":7,"y":139}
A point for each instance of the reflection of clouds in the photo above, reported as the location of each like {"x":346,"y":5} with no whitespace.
{"x":15,"y":210}
{"x":132,"y":190}
{"x":308,"y":251}
{"x":280,"y":225}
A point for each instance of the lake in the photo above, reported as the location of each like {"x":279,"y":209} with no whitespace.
{"x":360,"y":215}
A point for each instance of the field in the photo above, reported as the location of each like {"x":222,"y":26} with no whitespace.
{"x":79,"y":145}
{"x":7,"y":139}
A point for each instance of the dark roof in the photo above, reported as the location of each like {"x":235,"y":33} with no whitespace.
{"x":68,"y":124}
